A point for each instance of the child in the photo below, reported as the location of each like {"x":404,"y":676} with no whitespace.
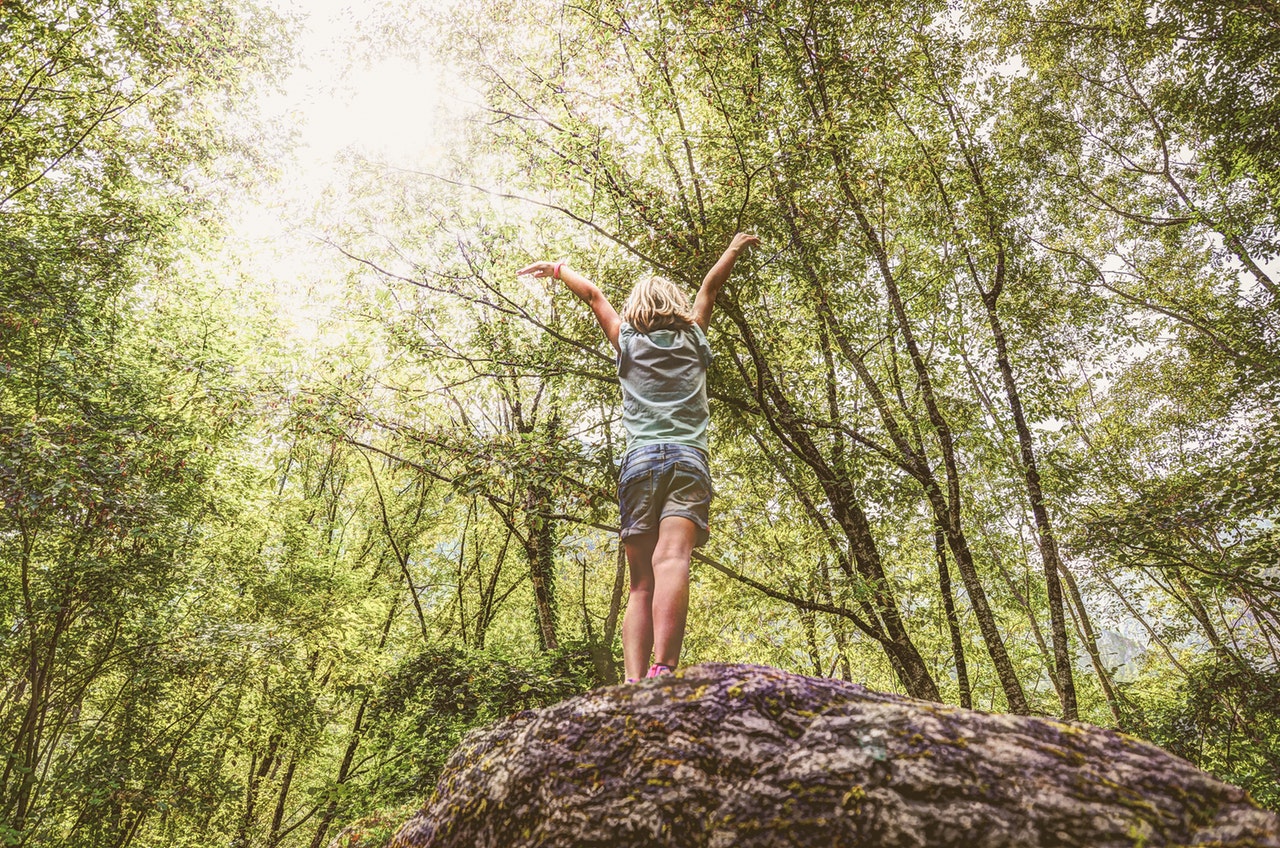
{"x":664,"y":488}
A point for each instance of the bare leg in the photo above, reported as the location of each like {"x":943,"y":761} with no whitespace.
{"x":637,"y":622}
{"x":670,"y":570}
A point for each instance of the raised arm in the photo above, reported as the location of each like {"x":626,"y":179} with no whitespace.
{"x":586,"y":290}
{"x":711,"y":284}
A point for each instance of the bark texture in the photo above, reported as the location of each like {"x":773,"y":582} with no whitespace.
{"x":733,"y":755}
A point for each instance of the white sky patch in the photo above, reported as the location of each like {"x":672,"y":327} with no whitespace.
{"x":1050,"y":425}
{"x":398,"y":110}
{"x":390,"y":110}
{"x":395,"y":106}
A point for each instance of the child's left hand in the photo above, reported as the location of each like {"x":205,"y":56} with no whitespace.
{"x":538,"y":269}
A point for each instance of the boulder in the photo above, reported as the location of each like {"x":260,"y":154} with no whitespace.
{"x":744,"y":756}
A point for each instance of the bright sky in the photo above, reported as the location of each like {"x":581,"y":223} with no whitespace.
{"x":398,"y":110}
{"x":389,"y":107}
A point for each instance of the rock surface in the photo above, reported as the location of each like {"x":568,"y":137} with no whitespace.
{"x":732,"y":755}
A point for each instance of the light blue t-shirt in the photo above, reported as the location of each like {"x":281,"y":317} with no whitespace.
{"x":664,"y":386}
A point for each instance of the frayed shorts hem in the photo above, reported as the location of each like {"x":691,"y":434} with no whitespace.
{"x":703,"y":533}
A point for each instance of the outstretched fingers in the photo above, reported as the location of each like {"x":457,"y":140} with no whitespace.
{"x":538,"y":269}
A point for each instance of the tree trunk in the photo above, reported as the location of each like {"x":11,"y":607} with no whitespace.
{"x":344,"y":771}
{"x":1090,"y":639}
{"x":1049,"y":557}
{"x":1051,"y":562}
{"x":606,"y":668}
{"x":540,"y":549}
{"x":849,"y":516}
{"x":953,"y":622}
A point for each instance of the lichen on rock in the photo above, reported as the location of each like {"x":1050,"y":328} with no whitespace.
{"x":745,"y":756}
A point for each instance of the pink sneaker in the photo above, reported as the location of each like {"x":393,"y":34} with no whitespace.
{"x":659,"y":670}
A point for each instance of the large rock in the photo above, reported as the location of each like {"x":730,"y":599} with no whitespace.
{"x":732,"y":755}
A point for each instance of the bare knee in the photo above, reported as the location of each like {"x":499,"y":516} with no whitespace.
{"x":671,"y":561}
{"x":640,"y":562}
{"x":674,"y":545}
{"x":672,"y":566}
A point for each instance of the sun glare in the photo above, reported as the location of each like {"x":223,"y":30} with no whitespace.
{"x":390,"y":110}
{"x":397,"y":110}
{"x":389,"y":107}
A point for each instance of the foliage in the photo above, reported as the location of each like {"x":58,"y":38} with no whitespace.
{"x":375,"y":831}
{"x":1224,"y":719}
{"x":433,"y":698}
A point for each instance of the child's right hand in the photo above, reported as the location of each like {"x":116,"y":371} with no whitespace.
{"x":742,"y":241}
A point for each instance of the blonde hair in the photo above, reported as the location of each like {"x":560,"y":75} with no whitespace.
{"x":656,"y":303}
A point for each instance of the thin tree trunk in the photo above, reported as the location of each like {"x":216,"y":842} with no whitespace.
{"x":837,"y":625}
{"x":1048,"y":543}
{"x":488,"y":590}
{"x":1201,"y":615}
{"x":1051,"y":561}
{"x":814,"y":84}
{"x":1024,"y":601}
{"x":540,"y":539}
{"x":277,"y":818}
{"x":615,"y":612}
{"x":809,"y":623}
{"x":1090,"y":639}
{"x":953,"y":622}
{"x":402,"y":558}
{"x":344,"y":770}
{"x":257,"y":772}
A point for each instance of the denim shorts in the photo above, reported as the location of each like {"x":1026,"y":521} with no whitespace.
{"x":658,"y":481}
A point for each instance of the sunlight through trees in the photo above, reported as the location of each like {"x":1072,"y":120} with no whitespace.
{"x":299,"y":482}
